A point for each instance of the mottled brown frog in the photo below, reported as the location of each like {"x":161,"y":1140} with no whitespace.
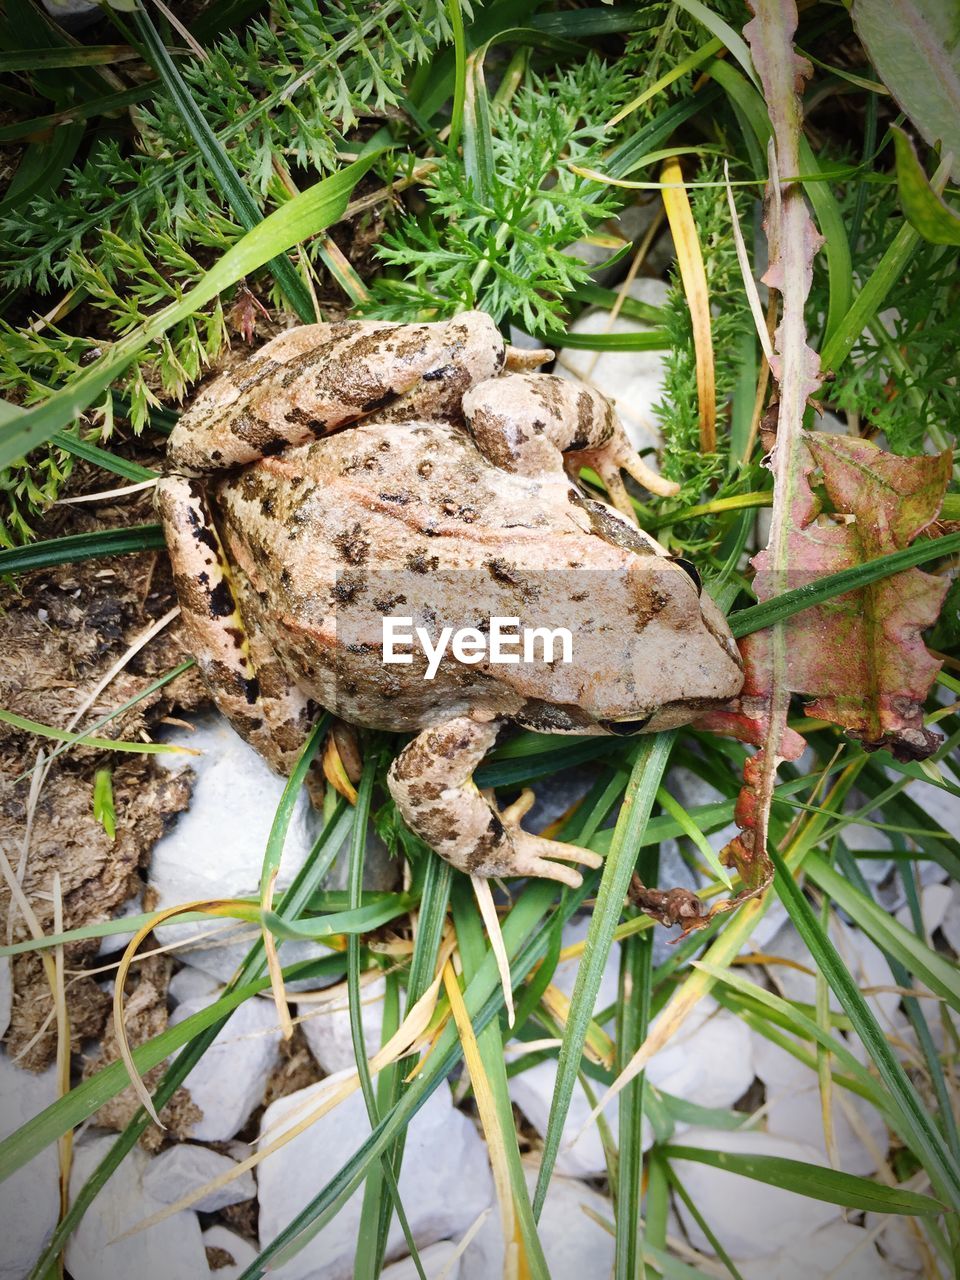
{"x":357,"y":471}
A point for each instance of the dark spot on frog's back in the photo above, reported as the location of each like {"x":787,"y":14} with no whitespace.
{"x":237,"y":635}
{"x":502,"y":571}
{"x":348,"y":587}
{"x":353,"y":544}
{"x":201,"y":531}
{"x":300,"y":417}
{"x":221,"y":600}
{"x":401,"y":498}
{"x":420,"y":562}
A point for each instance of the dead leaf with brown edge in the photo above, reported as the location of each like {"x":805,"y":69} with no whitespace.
{"x":860,"y":657}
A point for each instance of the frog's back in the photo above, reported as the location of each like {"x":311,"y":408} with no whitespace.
{"x":391,"y":519}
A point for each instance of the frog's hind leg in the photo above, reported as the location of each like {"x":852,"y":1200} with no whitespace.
{"x":432,"y":783}
{"x":525,"y":422}
{"x":238,"y":664}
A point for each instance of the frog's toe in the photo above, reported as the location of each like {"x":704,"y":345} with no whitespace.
{"x":537,"y":856}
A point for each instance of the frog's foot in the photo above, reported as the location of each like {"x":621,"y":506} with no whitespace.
{"x":432,"y":783}
{"x":617,"y":455}
{"x":523,"y":359}
{"x":538,"y":856}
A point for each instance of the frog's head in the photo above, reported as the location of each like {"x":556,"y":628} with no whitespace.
{"x":650,"y":648}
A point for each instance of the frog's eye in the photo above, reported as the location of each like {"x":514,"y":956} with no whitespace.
{"x":623,"y":728}
{"x":690,"y":570}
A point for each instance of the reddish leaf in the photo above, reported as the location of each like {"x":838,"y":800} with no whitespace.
{"x":859,"y":656}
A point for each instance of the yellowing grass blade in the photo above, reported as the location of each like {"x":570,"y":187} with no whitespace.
{"x":491,"y":922}
{"x":694,"y":277}
{"x":402,"y":1042}
{"x":685,"y":999}
{"x":334,"y":771}
{"x":273,"y":965}
{"x":513,"y":1268}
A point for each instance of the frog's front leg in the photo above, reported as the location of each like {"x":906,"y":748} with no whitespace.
{"x":432,"y":783}
{"x":247,"y":682}
{"x":526,"y":422}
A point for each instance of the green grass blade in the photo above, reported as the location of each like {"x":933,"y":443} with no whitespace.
{"x":288,"y":799}
{"x":649,"y":764}
{"x":81,"y":546}
{"x":86,"y":740}
{"x":939,"y":974}
{"x":473,"y":948}
{"x":102,"y":457}
{"x":306,"y":214}
{"x":759,"y":616}
{"x":914,"y":1123}
{"x":812,"y":1180}
{"x":526,"y":941}
{"x":218,"y":162}
{"x":368,"y":1257}
{"x":633,"y":1020}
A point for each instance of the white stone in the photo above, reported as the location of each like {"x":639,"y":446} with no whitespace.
{"x":240,"y":1250}
{"x":445,"y":1181}
{"x":951,"y":919}
{"x":172,"y":1247}
{"x":837,"y":1251}
{"x":793,"y":1111}
{"x":117,"y":942}
{"x":941,"y":808}
{"x":228,"y":1081}
{"x":326,"y":1024}
{"x":751,"y":1219}
{"x":709,"y":1061}
{"x":633,"y":380}
{"x":191,"y":984}
{"x":184,"y":1168}
{"x":6,"y":993}
{"x":565,"y":974}
{"x":935,"y":901}
{"x":575,"y":1245}
{"x":438,"y":1262}
{"x":215,"y":848}
{"x":862,"y":958}
{"x":29,"y":1198}
{"x":581,"y":1151}
{"x":896,"y":1240}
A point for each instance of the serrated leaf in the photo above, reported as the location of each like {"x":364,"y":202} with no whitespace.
{"x":859,"y":656}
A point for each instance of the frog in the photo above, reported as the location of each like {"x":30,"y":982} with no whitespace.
{"x":357,"y":469}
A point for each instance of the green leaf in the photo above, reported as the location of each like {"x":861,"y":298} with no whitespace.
{"x":758,"y":616}
{"x":927,"y":212}
{"x":306,"y":214}
{"x":913,"y":47}
{"x":649,"y":763}
{"x":812,"y":1180}
{"x":218,"y":162}
{"x":103,"y":807}
{"x":925,"y":965}
{"x":915,"y":1122}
